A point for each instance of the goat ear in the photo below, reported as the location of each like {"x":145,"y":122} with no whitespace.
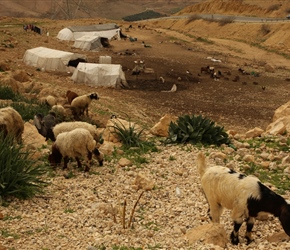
{"x":37,"y":121}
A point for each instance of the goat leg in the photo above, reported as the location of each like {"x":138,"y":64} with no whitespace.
{"x":250,"y":224}
{"x":235,"y":233}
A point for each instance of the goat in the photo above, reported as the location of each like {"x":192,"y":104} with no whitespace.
{"x":245,"y":195}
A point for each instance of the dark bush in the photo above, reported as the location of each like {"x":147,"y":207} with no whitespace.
{"x":196,"y":129}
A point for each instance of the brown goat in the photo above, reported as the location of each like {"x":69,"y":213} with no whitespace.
{"x":70,"y":95}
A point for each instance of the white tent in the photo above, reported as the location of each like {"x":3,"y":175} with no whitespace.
{"x":51,"y":59}
{"x":88,"y":42}
{"x":100,"y":75}
{"x":72,"y":33}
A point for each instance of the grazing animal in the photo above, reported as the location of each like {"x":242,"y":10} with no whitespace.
{"x":11,"y":123}
{"x":45,"y":124}
{"x":78,"y":144}
{"x":245,"y":195}
{"x":70,"y":95}
{"x":69,"y":126}
{"x":80,"y":104}
{"x":75,"y":63}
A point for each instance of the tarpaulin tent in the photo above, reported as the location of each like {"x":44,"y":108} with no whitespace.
{"x":71,"y":33}
{"x":51,"y":59}
{"x":100,"y":75}
{"x":90,"y":42}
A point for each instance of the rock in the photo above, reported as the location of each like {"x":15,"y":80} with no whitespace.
{"x":31,"y":137}
{"x":255,"y":132}
{"x":276,"y":128}
{"x":161,"y":128}
{"x":124,"y":162}
{"x":283,"y":110}
{"x":278,"y":237}
{"x":269,"y":68}
{"x":218,"y":155}
{"x":209,"y":233}
{"x":142,"y":182}
{"x":249,"y":158}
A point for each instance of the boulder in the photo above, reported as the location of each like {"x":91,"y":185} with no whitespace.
{"x":277,"y":128}
{"x":255,"y":132}
{"x":31,"y":136}
{"x":282,"y":111}
{"x":161,"y":128}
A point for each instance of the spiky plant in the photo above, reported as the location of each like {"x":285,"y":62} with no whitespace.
{"x":196,"y":129}
{"x":19,"y":175}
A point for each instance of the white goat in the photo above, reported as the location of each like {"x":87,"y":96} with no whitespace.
{"x":69,"y":126}
{"x":77,"y":144}
{"x":246,"y":196}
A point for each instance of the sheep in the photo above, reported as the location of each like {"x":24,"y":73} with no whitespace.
{"x":70,"y":95}
{"x":77,"y":144}
{"x":45,"y":124}
{"x":11,"y":123}
{"x":69,"y":126}
{"x":245,"y":195}
{"x":80,"y":104}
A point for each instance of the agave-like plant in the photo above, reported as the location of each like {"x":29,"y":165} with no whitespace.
{"x":196,"y":129}
{"x":19,"y":175}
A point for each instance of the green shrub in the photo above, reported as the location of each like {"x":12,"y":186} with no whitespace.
{"x":19,"y":176}
{"x":6,"y":93}
{"x":130,"y":136}
{"x":196,"y":129}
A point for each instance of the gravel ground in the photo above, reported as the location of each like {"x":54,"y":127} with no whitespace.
{"x":77,"y":212}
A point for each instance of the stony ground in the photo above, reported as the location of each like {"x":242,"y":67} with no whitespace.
{"x":76,"y":213}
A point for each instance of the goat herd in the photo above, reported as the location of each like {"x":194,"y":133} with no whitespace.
{"x":246,"y":196}
{"x":71,"y":139}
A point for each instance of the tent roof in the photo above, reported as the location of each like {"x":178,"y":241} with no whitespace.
{"x":50,"y":59}
{"x":95,"y":27}
{"x":88,"y":42}
{"x":88,"y":38}
{"x":100,"y":75}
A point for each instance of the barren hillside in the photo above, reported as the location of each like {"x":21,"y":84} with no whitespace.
{"x":265,"y":8}
{"x":89,"y":8}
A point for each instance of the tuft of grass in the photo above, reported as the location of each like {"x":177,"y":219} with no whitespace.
{"x":130,"y":136}
{"x":19,"y":176}
{"x":69,"y":210}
